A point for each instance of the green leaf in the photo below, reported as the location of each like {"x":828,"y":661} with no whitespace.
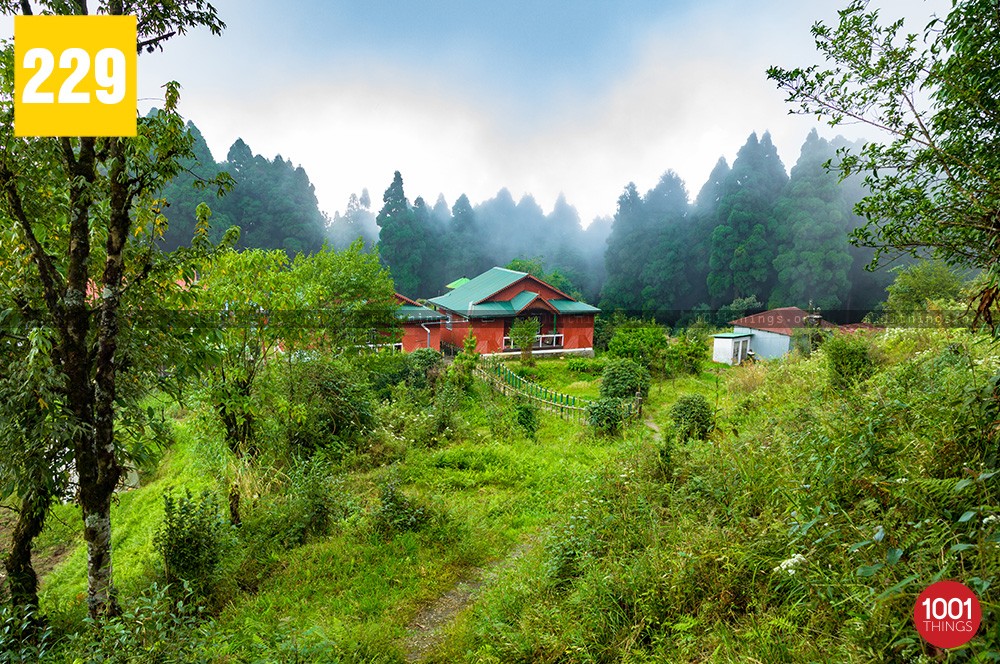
{"x":958,"y":548}
{"x":869,"y":570}
{"x":966,"y":516}
{"x":898,"y":587}
{"x":855,"y":547}
{"x":893,"y":556}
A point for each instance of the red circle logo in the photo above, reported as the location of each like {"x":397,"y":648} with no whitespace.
{"x":947,"y":614}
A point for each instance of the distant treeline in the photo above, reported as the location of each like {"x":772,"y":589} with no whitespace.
{"x":273,"y":202}
{"x":427,"y":246}
{"x":754,"y":236}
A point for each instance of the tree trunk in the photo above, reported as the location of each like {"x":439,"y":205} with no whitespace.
{"x":21,"y":577}
{"x":234,"y":505}
{"x":97,"y":504}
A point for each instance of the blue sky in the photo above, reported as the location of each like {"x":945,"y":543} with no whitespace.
{"x":543,"y":97}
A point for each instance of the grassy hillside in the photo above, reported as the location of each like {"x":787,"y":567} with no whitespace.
{"x":830,"y":492}
{"x":801,"y":530}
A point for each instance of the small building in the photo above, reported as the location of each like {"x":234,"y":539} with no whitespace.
{"x":767,"y":334}
{"x":490,"y":303}
{"x":731,"y":347}
{"x":421,"y":325}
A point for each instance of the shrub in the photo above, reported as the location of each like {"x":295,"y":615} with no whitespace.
{"x":622,"y":378}
{"x":606,"y":415}
{"x":527,"y":373}
{"x":23,"y":636}
{"x":381,"y":371}
{"x":568,"y":549}
{"x":329,"y":407}
{"x":166,"y":624}
{"x":693,"y":416}
{"x":848,"y":360}
{"x":424,"y":363}
{"x":645,"y":344}
{"x":460,"y":371}
{"x":685,"y":356}
{"x":665,"y":452}
{"x":191,"y":540}
{"x":522,"y":335}
{"x":396,"y":513}
{"x":526,"y":414}
{"x":585,"y":365}
{"x":605,"y":326}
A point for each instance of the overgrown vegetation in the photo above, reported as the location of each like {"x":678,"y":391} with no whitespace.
{"x":848,"y":360}
{"x":191,"y":540}
{"x":624,"y":379}
{"x":693,"y":417}
{"x":805,"y":524}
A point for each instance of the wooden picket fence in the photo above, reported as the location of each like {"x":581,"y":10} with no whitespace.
{"x":566,"y":406}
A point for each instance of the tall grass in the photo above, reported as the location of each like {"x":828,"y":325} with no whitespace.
{"x":802,"y":530}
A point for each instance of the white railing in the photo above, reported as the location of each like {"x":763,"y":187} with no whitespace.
{"x":541,"y":341}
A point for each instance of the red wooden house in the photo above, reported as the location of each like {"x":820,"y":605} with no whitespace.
{"x":421,"y":326}
{"x":490,"y":303}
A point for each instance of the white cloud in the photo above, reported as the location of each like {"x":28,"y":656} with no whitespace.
{"x":694,"y":92}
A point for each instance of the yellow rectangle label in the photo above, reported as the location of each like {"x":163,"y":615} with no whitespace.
{"x":75,"y":76}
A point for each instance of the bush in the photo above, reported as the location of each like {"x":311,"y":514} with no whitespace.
{"x":848,"y":360}
{"x":166,"y":624}
{"x":665,"y":452}
{"x":645,"y":344}
{"x":606,"y":415}
{"x":528,"y":373}
{"x":396,"y":513}
{"x":424,"y":363}
{"x":191,"y":540}
{"x":381,"y":371}
{"x":693,"y":416}
{"x":328,"y":408}
{"x":622,"y":378}
{"x":685,"y":356}
{"x":307,"y":505}
{"x":526,"y":414}
{"x":585,"y":365}
{"x":461,"y":370}
{"x":23,"y":636}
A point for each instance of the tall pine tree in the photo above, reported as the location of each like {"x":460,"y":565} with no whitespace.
{"x":401,"y":244}
{"x":812,"y":223}
{"x":741,"y":254}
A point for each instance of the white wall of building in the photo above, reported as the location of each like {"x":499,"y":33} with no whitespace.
{"x":766,"y":345}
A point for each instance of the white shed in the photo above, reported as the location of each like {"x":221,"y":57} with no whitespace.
{"x":731,"y":347}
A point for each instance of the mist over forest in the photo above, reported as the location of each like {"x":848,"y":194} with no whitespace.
{"x":754,"y":235}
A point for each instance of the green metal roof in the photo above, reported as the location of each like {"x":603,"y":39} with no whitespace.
{"x":487,"y":309}
{"x":476,"y":290}
{"x":522,"y":299}
{"x":414,"y":312}
{"x":732,"y":335}
{"x":461,"y":281}
{"x":573,"y":307}
{"x":468,"y":299}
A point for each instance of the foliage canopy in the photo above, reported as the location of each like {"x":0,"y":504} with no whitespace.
{"x":935,"y":183}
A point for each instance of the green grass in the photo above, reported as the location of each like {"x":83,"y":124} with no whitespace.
{"x":680,"y":553}
{"x":552,"y":373}
{"x":136,"y":515}
{"x":602,"y":540}
{"x":353,"y":592}
{"x":491,"y":494}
